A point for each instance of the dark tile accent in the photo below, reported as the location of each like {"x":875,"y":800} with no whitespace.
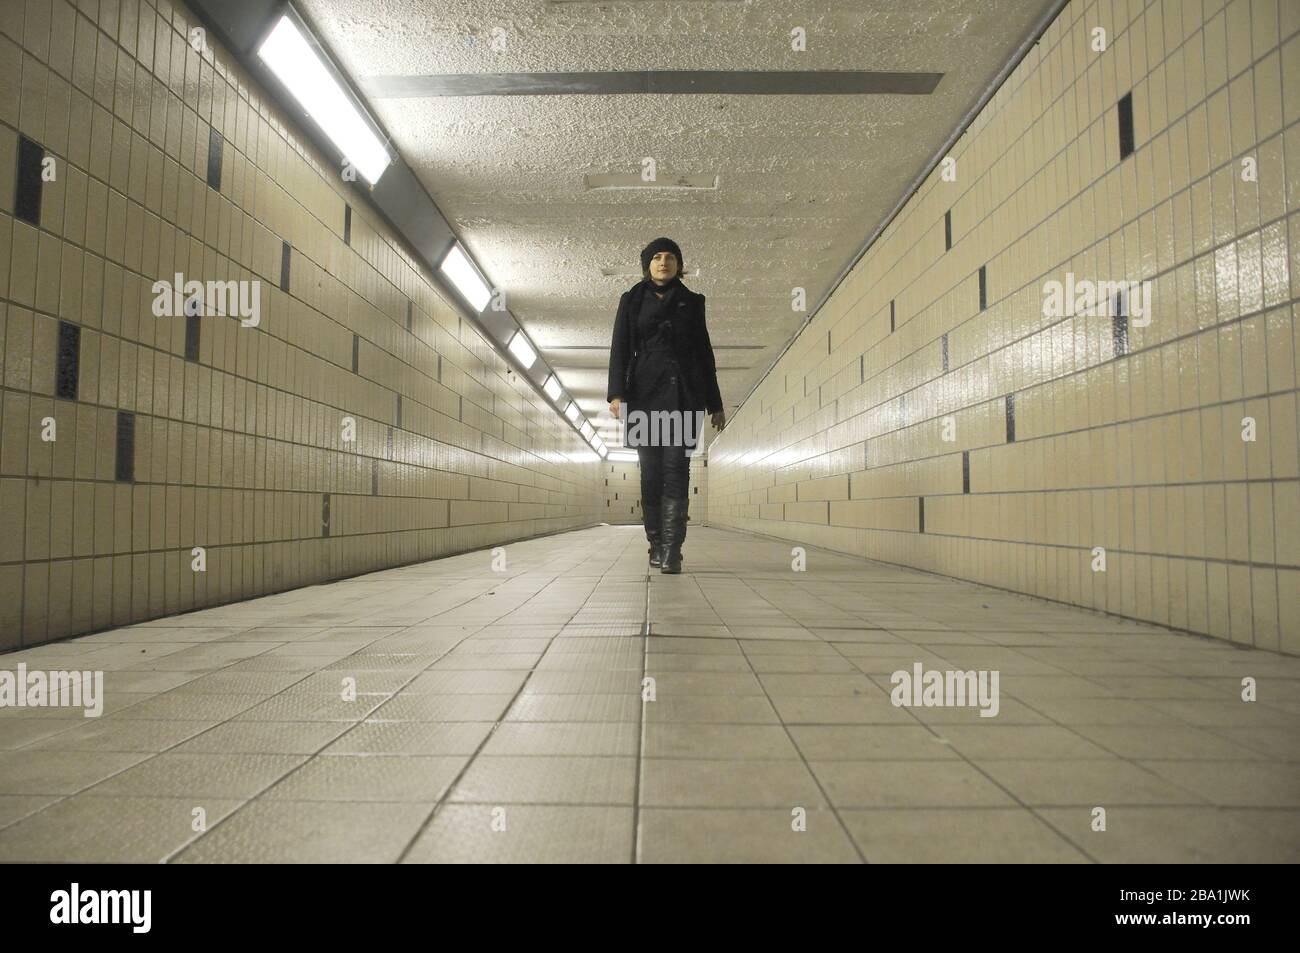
{"x":399,"y":411}
{"x":965,"y":471}
{"x":862,"y":368}
{"x":1125,"y":111}
{"x":410,"y":314}
{"x":374,"y":477}
{"x":828,"y":342}
{"x":947,"y":230}
{"x":1119,"y":323}
{"x":356,"y":352}
{"x":124,"y":465}
{"x":984,"y":287}
{"x":193,"y":331}
{"x":69,"y":361}
{"x":325,"y":514}
{"x":921,"y":511}
{"x":215,"y":142}
{"x":439,"y":377}
{"x":347,"y":224}
{"x":945,"y":354}
{"x":891,"y":317}
{"x":284,"y":266}
{"x":1011,"y":418}
{"x":388,"y":444}
{"x":27,"y":183}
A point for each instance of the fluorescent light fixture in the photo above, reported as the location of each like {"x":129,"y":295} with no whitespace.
{"x":622,"y":456}
{"x":587,"y":429}
{"x":465,"y":278}
{"x":602,"y":451}
{"x":571,"y":411}
{"x":552,"y":387}
{"x":293,"y":61}
{"x":522,"y":350}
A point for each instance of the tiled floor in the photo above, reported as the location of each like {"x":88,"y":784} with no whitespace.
{"x":499,"y":716}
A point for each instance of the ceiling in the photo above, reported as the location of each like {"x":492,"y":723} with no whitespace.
{"x":801,"y":180}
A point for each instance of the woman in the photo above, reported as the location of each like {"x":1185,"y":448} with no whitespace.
{"x":663,"y":377}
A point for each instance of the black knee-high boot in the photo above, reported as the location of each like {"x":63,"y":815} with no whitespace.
{"x":654,"y":532}
{"x":674,"y":533}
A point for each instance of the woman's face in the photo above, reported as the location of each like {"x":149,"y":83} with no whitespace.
{"x":663,"y":266}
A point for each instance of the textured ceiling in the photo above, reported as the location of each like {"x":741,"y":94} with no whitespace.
{"x":802,"y":180}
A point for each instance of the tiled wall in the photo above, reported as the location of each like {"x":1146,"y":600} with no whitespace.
{"x":699,"y":506}
{"x":1077,"y":432}
{"x":166,"y":160}
{"x":623,"y":492}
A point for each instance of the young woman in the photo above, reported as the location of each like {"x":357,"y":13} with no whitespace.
{"x":662,"y":379}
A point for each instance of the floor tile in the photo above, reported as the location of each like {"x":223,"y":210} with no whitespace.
{"x":431,"y":713}
{"x":526,"y":833}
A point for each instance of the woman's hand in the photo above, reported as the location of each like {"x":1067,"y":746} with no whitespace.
{"x":614,"y":406}
{"x":719,"y":420}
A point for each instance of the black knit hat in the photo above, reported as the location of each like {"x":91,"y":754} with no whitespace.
{"x":655,"y":247}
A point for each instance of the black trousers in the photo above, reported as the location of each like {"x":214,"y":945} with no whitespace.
{"x":665,"y":472}
{"x":665,"y":468}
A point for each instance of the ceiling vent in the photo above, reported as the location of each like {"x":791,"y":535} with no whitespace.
{"x":636,"y":273}
{"x":633,"y":180}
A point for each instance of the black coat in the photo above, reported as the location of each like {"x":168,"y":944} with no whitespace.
{"x":691,"y":347}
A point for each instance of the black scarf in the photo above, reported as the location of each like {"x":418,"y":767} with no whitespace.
{"x":669,"y":288}
{"x":646,"y":286}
